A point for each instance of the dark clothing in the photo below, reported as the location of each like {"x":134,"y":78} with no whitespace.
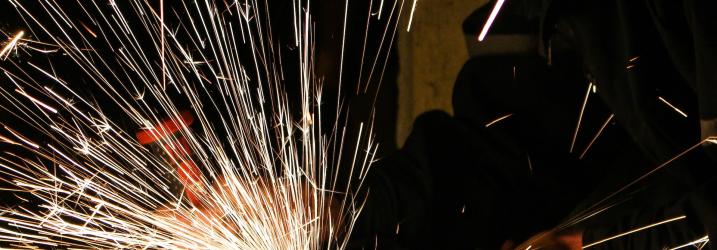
{"x":458,"y":184}
{"x":638,"y":52}
{"x":688,"y":32}
{"x":698,"y":207}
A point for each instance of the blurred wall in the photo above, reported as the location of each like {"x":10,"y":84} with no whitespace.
{"x":430,"y":56}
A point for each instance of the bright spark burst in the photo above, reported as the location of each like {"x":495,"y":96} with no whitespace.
{"x":5,"y":52}
{"x":712,"y":140}
{"x":271,"y":173}
{"x":698,"y":243}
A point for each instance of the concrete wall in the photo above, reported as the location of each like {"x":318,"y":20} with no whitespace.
{"x":431,"y":55}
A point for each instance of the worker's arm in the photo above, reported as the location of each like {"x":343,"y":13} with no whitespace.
{"x":691,"y":219}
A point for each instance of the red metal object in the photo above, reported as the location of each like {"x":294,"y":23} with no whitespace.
{"x":164,"y":129}
{"x":174,"y":148}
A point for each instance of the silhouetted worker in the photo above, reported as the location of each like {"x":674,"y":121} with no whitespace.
{"x":464,"y":182}
{"x":640,"y":54}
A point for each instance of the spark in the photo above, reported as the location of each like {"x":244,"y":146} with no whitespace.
{"x":498,"y":120}
{"x":343,"y":46}
{"x":7,"y":140}
{"x":22,"y":138}
{"x":580,"y":117}
{"x":711,"y":139}
{"x":46,"y":73}
{"x":597,"y":135}
{"x":530,"y":164}
{"x":380,"y":10}
{"x":634,"y":59}
{"x":490,"y":20}
{"x":635,"y":230}
{"x":161,"y":35}
{"x":87,"y":28}
{"x":699,"y":242}
{"x":44,"y":51}
{"x":672,"y":106}
{"x":35,"y":100}
{"x":410,"y":18}
{"x":5,"y":52}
